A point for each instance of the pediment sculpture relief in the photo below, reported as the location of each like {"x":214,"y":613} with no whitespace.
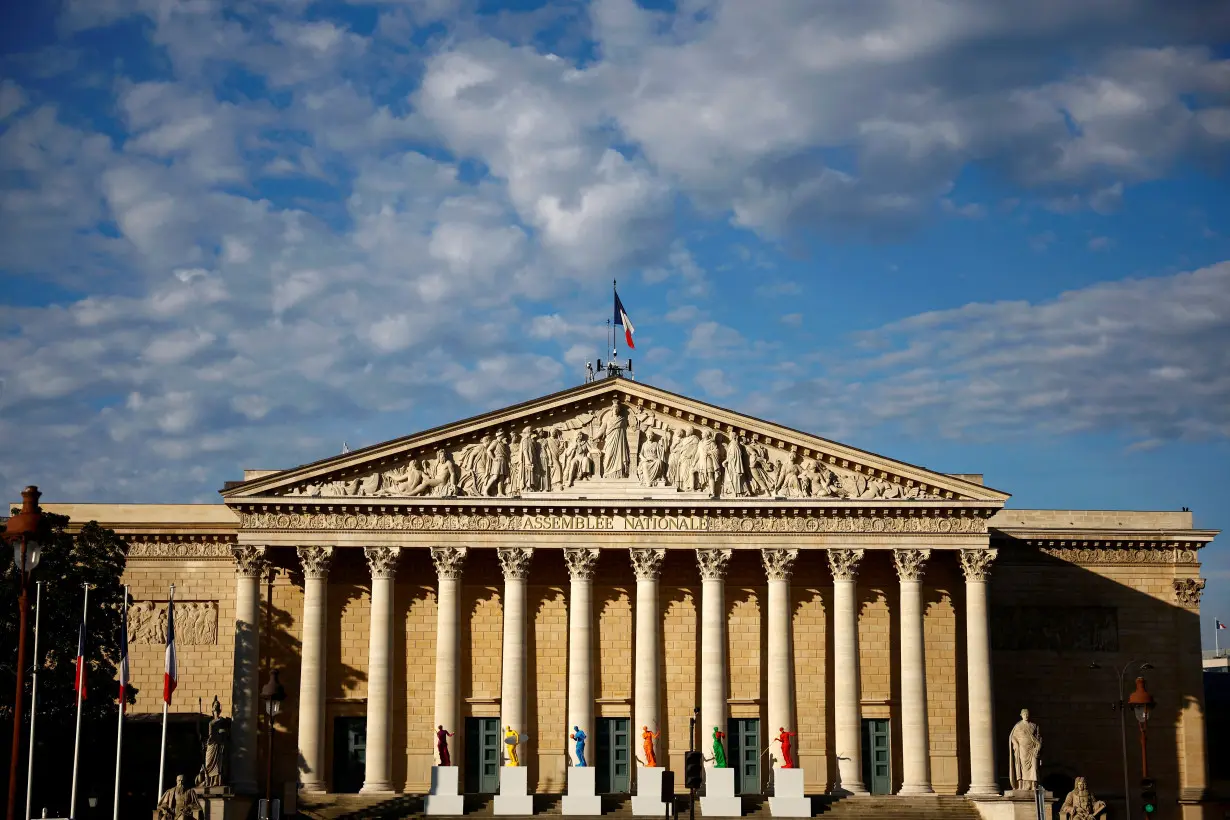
{"x":614,"y":444}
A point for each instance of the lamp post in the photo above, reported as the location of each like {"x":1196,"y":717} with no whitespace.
{"x":1119,"y":704}
{"x":1142,"y":704}
{"x":23,"y":532}
{"x":273,"y":694}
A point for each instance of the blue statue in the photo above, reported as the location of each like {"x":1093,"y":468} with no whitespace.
{"x":579,"y":737}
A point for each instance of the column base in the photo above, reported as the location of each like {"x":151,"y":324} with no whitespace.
{"x":379,"y":787}
{"x":852,"y":790}
{"x":720,"y":799}
{"x":581,"y":797}
{"x":313,"y":787}
{"x":788,"y":799}
{"x":513,"y":797}
{"x":916,"y":791}
{"x":982,"y":790}
{"x":648,"y":798}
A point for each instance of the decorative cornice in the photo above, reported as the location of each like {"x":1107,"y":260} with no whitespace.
{"x":976,"y":564}
{"x":1152,"y":554}
{"x":1188,"y":591}
{"x":712,"y":563}
{"x":515,"y":561}
{"x":315,"y":561}
{"x":843,"y":563}
{"x":193,"y":549}
{"x":249,"y":561}
{"x":382,"y":561}
{"x":449,"y":562}
{"x":581,"y":563}
{"x":910,"y":563}
{"x":778,"y":563}
{"x":647,"y":563}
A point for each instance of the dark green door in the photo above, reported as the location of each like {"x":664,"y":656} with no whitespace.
{"x":614,"y":759}
{"x":349,"y":753}
{"x":482,"y":755}
{"x":876,"y":755}
{"x":743,"y":754}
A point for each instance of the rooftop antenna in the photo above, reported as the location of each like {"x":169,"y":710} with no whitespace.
{"x":345,"y":448}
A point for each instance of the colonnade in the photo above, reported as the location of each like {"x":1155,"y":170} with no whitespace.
{"x":515,"y":563}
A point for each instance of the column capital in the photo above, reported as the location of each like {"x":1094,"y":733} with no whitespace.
{"x":382,"y":561}
{"x":515,"y":561}
{"x":778,"y":563}
{"x":647,"y":563}
{"x":976,"y":564}
{"x":712,"y":563}
{"x":843,"y":563}
{"x":910,"y":563}
{"x":581,"y":562}
{"x":315,"y":561}
{"x":249,"y":561}
{"x":449,"y":562}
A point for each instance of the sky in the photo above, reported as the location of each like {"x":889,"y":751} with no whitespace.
{"x":978,"y":237}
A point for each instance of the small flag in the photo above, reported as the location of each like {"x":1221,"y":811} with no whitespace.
{"x":170,"y":675}
{"x":622,"y":320}
{"x":79,"y":683}
{"x":123,"y":649}
{"x":1220,"y":625}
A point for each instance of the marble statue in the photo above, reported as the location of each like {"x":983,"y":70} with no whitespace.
{"x":783,"y":737}
{"x":580,"y":737}
{"x":613,"y":426}
{"x":511,"y":739}
{"x":440,"y":480}
{"x":442,"y":736}
{"x":180,"y":803}
{"x":735,"y":482}
{"x":580,"y":462}
{"x":213,"y":771}
{"x":1080,"y":804}
{"x":529,"y":460}
{"x":652,"y":461}
{"x":553,"y":448}
{"x":1024,"y":746}
{"x":790,"y":479}
{"x":497,"y":466}
{"x":708,"y":463}
{"x":719,"y":752}
{"x":649,"y":737}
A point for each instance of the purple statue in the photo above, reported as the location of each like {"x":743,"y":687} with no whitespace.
{"x":442,"y":737}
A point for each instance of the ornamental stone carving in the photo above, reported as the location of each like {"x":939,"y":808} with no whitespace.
{"x":647,"y":563}
{"x":843,"y":563}
{"x":910,"y":563}
{"x":249,"y":561}
{"x":382,"y":561}
{"x":976,"y":564}
{"x":581,"y":563}
{"x":712,"y":563}
{"x":449,"y":562}
{"x":515,"y":561}
{"x":778,"y":563}
{"x":179,"y":549}
{"x":315,"y":561}
{"x":1153,"y":555}
{"x":196,"y":622}
{"x":1189,"y":590}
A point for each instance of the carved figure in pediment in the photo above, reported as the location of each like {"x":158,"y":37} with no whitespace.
{"x":613,"y":430}
{"x":580,"y":460}
{"x":652,"y":467}
{"x":855,"y":485}
{"x":402,"y":482}
{"x":790,"y":478}
{"x":441,"y":478}
{"x":708,"y":463}
{"x":474,"y":461}
{"x":823,"y":483}
{"x":736,"y":479}
{"x":761,"y":469}
{"x":529,"y":460}
{"x":688,"y":449}
{"x":498,"y":456}
{"x":553,"y":449}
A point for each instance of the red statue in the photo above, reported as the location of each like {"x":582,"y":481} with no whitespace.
{"x":783,"y":737}
{"x":649,"y":737}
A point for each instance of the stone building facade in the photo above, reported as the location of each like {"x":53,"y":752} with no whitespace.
{"x":615,"y":556}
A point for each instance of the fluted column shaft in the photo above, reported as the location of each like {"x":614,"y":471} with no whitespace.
{"x":712,"y":564}
{"x":516,"y":565}
{"x":647,"y":563}
{"x":246,"y":686}
{"x":777,"y":565}
{"x":581,"y":565}
{"x":847,"y":716}
{"x":915,"y":740}
{"x":976,"y":564}
{"x":377,"y":776}
{"x":448,"y":561}
{"x":315,"y":562}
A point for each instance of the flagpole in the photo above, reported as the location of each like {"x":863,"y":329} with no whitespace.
{"x":72,"y":804}
{"x":1216,"y":645}
{"x":119,"y":732}
{"x":38,"y":611}
{"x":614,"y":336}
{"x":162,"y":758}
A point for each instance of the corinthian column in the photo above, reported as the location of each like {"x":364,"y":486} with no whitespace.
{"x":581,"y":563}
{"x":778,"y":564}
{"x":647,"y":563}
{"x":315,"y":561}
{"x":712,"y":564}
{"x":976,"y":564}
{"x":377,"y":777}
{"x":847,"y":717}
{"x":245,"y":682}
{"x":515,"y":562}
{"x":448,"y":561}
{"x":915,"y":741}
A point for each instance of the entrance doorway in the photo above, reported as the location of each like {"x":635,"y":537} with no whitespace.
{"x":349,"y":753}
{"x":743,"y":745}
{"x":614,"y":775}
{"x":482,"y":751}
{"x":877,"y":755}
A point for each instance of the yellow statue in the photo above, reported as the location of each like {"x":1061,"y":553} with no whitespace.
{"x":511,"y":739}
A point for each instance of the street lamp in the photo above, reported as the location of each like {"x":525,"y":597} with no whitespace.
{"x":24,"y":533}
{"x":273,"y":694}
{"x":1120,"y":703}
{"x":1142,"y":703}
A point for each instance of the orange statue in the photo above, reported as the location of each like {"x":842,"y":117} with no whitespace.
{"x":649,"y":737}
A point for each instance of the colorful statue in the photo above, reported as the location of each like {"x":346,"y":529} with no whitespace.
{"x":579,"y":737}
{"x":442,"y":737}
{"x":511,"y":739}
{"x":649,"y":737}
{"x":719,"y":753}
{"x":783,"y":737}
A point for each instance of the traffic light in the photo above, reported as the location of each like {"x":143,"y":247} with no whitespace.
{"x":1148,"y":797}
{"x":693,"y":770}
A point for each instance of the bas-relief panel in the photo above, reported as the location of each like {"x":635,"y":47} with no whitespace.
{"x":614,"y":444}
{"x":196,"y":622}
{"x":1055,"y":628}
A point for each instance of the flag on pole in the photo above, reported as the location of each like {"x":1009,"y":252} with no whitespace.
{"x":123,"y":649}
{"x":170,"y":675}
{"x":79,"y":683}
{"x":1220,"y":625}
{"x":622,"y":320}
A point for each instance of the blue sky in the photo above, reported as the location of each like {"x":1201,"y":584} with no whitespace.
{"x":982,"y":237}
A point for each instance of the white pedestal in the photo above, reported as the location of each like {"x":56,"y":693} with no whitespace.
{"x":720,"y":799}
{"x":648,"y":798}
{"x":581,"y":797}
{"x":444,"y":797}
{"x":514,"y":797}
{"x":788,"y":799}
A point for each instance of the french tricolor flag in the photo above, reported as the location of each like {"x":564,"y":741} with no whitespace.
{"x":622,"y":320}
{"x":170,"y":676}
{"x":1220,"y":625}
{"x":79,"y":682}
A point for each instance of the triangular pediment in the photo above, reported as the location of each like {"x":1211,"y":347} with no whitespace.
{"x":612,"y":439}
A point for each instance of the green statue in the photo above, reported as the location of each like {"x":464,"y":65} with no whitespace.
{"x":719,"y":754}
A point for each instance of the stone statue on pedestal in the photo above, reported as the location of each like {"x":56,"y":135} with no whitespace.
{"x":580,"y":737}
{"x":719,"y":752}
{"x":442,"y":736}
{"x":1024,"y":747}
{"x":214,"y":771}
{"x":1080,"y":804}
{"x":179,"y":803}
